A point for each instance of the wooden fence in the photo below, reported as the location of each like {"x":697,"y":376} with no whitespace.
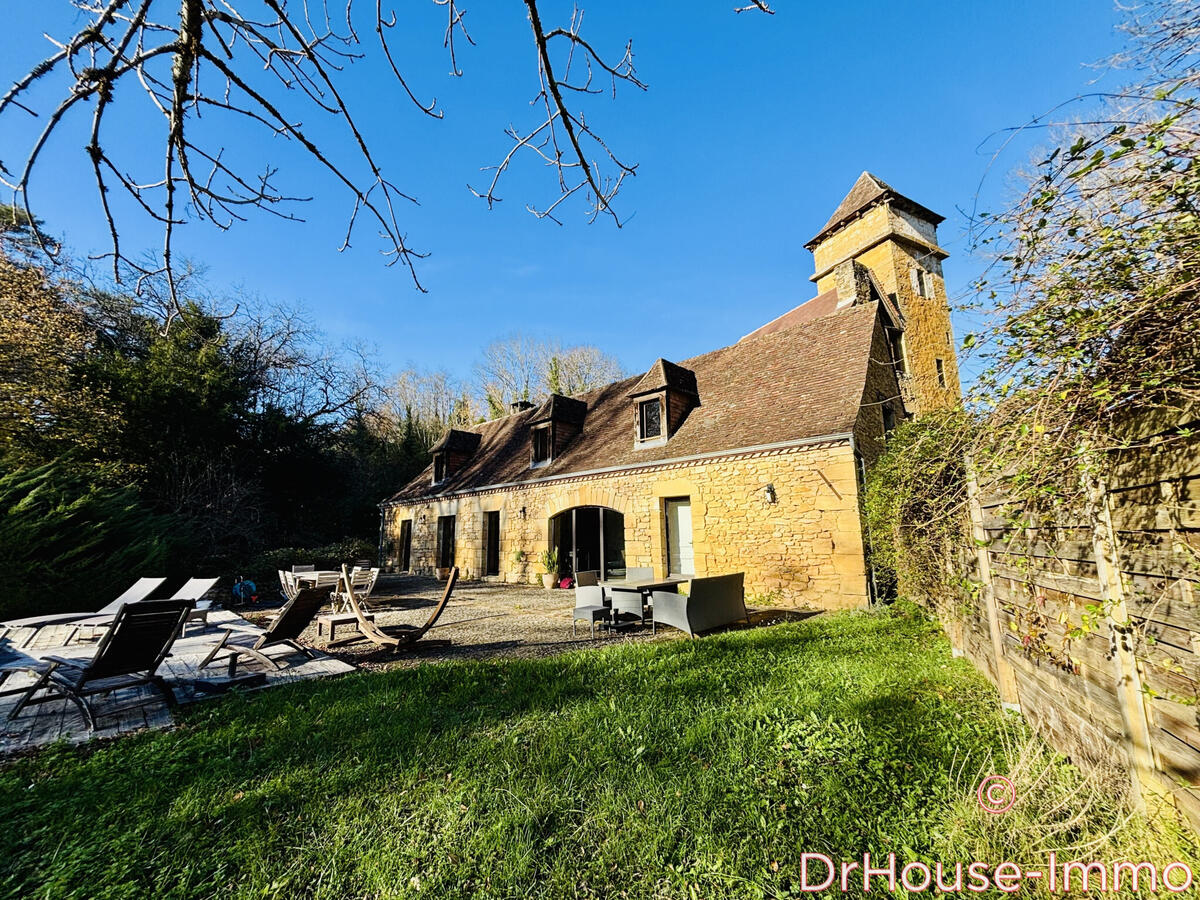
{"x":1092,"y":627}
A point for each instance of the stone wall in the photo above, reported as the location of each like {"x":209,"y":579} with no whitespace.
{"x":805,"y":548}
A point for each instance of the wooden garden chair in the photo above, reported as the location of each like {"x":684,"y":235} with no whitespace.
{"x":296,"y":615}
{"x":395,"y":636}
{"x":128,"y":655}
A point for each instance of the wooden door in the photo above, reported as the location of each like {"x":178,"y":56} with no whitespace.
{"x":680,"y":558}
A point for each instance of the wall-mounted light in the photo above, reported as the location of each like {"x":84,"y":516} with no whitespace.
{"x":770,"y":492}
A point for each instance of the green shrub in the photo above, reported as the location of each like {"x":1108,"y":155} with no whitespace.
{"x":68,"y":543}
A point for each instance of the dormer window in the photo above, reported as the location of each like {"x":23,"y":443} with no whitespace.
{"x":540,"y":439}
{"x":649,"y":419}
{"x":452,"y":453}
{"x":552,"y":427}
{"x":662,"y":400}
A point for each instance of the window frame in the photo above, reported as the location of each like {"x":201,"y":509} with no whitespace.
{"x":441,"y":470}
{"x":642,"y":405}
{"x":940,"y":366}
{"x":536,"y":432}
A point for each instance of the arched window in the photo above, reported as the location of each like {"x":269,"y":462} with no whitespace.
{"x":589,"y":539}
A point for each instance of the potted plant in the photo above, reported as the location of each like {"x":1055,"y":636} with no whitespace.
{"x":550,"y":564}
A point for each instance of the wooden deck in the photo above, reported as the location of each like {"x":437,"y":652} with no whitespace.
{"x":134,"y":709}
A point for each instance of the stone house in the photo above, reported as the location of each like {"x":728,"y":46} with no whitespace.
{"x":749,"y":458}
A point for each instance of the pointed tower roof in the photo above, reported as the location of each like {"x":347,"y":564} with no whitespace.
{"x":868,"y":191}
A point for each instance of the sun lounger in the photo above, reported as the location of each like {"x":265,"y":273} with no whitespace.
{"x":193,"y":590}
{"x":128,"y":655}
{"x":295,"y":616}
{"x":140,"y":590}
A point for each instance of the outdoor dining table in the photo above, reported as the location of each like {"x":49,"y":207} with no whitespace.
{"x":316,"y":579}
{"x":646,"y":585}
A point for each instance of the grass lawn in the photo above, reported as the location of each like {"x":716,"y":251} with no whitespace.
{"x":667,"y":769}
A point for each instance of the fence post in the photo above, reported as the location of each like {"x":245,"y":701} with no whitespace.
{"x":1005,"y":680}
{"x":1134,"y":714}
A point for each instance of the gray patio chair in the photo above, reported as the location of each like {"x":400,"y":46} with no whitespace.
{"x":296,"y":569}
{"x":710,"y":603}
{"x":589,"y":606}
{"x":587,"y":579}
{"x":140,"y":590}
{"x":626,"y":602}
{"x":639,"y":573}
{"x":128,"y":655}
{"x":295,"y":616}
{"x":196,"y":589}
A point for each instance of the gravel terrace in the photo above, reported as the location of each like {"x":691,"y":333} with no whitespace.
{"x":483,"y":620}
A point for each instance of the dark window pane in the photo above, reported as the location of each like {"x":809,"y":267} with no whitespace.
{"x":651,"y":416}
{"x":541,"y":444}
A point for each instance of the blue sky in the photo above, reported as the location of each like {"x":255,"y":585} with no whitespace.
{"x":752,"y":130}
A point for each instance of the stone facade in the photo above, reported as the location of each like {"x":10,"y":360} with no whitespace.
{"x":767,"y":438}
{"x":806,"y":547}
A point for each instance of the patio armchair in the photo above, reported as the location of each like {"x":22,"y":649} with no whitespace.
{"x":363,"y":582}
{"x":283,"y":630}
{"x":711,"y":603}
{"x":128,"y":655}
{"x":590,"y":607}
{"x":296,"y":569}
{"x":639,"y":573}
{"x":287,"y":584}
{"x":587,"y":579}
{"x":626,"y":602}
{"x":140,"y":590}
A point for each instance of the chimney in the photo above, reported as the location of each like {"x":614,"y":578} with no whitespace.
{"x":520,"y":406}
{"x":853,"y":282}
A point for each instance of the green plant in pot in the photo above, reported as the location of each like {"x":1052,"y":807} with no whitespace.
{"x":549,"y":561}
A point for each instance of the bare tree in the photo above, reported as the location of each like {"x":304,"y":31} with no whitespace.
{"x":525,"y":368}
{"x":510,"y":370}
{"x":202,"y":64}
{"x":574,"y":370}
{"x":428,"y":402}
{"x":295,"y":369}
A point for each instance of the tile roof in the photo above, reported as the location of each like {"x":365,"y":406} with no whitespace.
{"x":665,"y":374}
{"x":457,"y":440}
{"x":560,"y":409}
{"x":805,"y":381}
{"x":866,"y":192}
{"x":818,"y":306}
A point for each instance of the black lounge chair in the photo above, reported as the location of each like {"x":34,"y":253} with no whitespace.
{"x":395,"y":636}
{"x":295,"y":616}
{"x":128,"y":655}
